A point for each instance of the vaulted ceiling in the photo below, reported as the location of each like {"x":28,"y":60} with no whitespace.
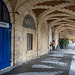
{"x":55,"y":12}
{"x":70,"y":34}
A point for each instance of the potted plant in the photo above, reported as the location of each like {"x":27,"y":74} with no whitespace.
{"x":63,"y":43}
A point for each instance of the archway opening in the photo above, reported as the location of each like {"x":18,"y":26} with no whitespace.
{"x":5,"y":36}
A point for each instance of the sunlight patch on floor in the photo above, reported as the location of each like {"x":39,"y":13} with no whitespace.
{"x":41,"y":73}
{"x":41,"y":66}
{"x":72,"y":68}
{"x":55,"y":62}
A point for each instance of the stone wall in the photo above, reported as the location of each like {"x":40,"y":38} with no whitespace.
{"x":32,"y":53}
{"x":21,"y":53}
{"x":44,"y":41}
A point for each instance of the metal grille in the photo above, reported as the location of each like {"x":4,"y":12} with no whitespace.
{"x":28,"y":22}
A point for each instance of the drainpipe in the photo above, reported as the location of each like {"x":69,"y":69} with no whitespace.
{"x":48,"y":37}
{"x":14,"y":40}
{"x":37,"y":39}
{"x":14,"y":36}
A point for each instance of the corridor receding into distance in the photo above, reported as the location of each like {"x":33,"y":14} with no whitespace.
{"x":37,"y":37}
{"x":55,"y":63}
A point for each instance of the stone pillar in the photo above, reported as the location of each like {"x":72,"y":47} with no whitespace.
{"x":39,"y":40}
{"x":50,"y":36}
{"x":56,"y":38}
{"x":53,"y":33}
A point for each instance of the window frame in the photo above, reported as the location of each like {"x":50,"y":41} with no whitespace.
{"x":29,"y":41}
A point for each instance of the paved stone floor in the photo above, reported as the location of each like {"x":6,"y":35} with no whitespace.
{"x":55,"y":63}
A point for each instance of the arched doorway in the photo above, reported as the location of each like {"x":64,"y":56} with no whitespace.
{"x":5,"y":36}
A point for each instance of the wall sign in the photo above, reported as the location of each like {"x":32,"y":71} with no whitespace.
{"x":4,"y":25}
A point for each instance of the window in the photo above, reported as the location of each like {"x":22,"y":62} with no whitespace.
{"x":4,"y":14}
{"x":29,"y":41}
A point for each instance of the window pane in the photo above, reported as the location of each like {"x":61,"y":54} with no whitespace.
{"x":29,"y":41}
{"x":5,"y":14}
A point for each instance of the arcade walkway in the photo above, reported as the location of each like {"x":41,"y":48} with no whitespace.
{"x":55,"y":63}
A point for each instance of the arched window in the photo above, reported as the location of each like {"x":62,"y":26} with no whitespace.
{"x":4,"y":14}
{"x":28,"y":22}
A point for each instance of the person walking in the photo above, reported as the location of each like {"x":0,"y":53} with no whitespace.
{"x":52,"y":45}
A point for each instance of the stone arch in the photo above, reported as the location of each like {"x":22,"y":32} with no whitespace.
{"x":26,"y":4}
{"x":45,"y":13}
{"x":64,"y":26}
{"x":65,"y":29}
{"x":55,"y":22}
{"x":28,"y":7}
{"x":54,"y":15}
